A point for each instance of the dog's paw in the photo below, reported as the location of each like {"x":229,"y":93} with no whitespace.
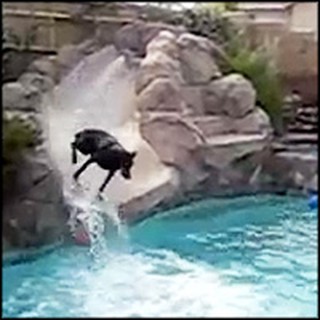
{"x":99,"y":196}
{"x":76,"y":185}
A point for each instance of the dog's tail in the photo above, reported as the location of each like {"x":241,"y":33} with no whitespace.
{"x":74,"y":153}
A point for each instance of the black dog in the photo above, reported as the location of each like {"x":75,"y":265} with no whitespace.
{"x":104,"y":150}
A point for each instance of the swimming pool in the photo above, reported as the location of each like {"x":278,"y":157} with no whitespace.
{"x":248,"y":256}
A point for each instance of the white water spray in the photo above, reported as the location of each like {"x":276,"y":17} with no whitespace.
{"x":99,"y":93}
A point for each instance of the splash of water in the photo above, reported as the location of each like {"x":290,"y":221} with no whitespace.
{"x":99,"y":93}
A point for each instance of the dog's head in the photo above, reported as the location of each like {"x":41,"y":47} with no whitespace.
{"x":127,"y":163}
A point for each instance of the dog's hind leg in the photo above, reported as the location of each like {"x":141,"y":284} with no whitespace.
{"x":109,"y":176}
{"x":74,"y":152}
{"x":82,"y":168}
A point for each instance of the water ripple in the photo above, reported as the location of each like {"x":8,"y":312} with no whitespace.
{"x":257,"y":258}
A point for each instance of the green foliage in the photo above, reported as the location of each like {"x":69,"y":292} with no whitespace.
{"x":17,"y":137}
{"x":257,"y":66}
{"x":231,"y":6}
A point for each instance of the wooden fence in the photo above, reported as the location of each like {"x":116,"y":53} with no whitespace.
{"x":55,"y":24}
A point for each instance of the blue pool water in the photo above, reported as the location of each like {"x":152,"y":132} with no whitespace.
{"x":250,"y":256}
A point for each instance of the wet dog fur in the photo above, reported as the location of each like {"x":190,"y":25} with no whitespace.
{"x":105,"y":151}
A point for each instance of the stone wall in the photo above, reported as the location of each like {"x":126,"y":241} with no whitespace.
{"x":61,"y":23}
{"x":33,"y":209}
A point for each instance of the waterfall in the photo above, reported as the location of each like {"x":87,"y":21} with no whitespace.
{"x":99,"y":93}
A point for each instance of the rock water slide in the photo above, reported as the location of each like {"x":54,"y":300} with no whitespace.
{"x":99,"y":93}
{"x":191,"y":117}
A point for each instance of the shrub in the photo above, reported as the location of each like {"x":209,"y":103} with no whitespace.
{"x":257,"y":66}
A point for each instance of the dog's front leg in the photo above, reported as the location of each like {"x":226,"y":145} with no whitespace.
{"x":109,"y":176}
{"x":82,"y":168}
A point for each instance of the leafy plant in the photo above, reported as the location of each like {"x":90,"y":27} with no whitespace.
{"x":231,"y":6}
{"x":258,"y":66}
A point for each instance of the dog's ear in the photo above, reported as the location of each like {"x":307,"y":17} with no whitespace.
{"x":133,"y":154}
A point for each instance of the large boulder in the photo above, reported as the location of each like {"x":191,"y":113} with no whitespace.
{"x":197,"y":60}
{"x":162,"y":94}
{"x":137,"y":35}
{"x":16,"y":96}
{"x":214,"y":125}
{"x":34,"y":167}
{"x":192,"y":95}
{"x":221,"y":151}
{"x":159,"y":130}
{"x":161,"y":61}
{"x":40,"y":81}
{"x":256,"y":121}
{"x":157,"y":65}
{"x":32,"y":223}
{"x":232,"y":95}
{"x":43,"y":66}
{"x":176,"y":141}
{"x":33,"y":212}
{"x":165,"y":42}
